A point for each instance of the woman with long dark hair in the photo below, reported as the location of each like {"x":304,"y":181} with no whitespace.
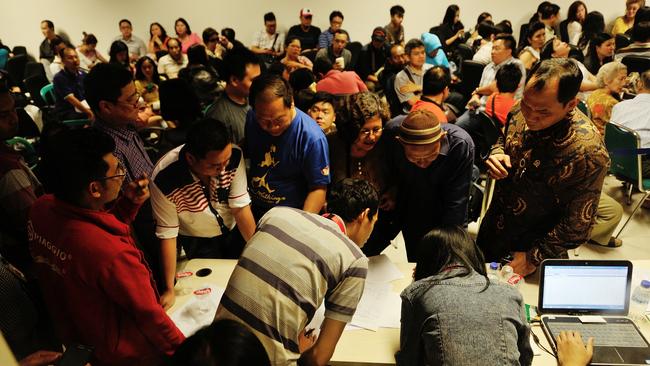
{"x":119,"y":54}
{"x":594,"y":24}
{"x":530,"y":48}
{"x":157,"y":38}
{"x":185,"y":34}
{"x":147,"y":79}
{"x":601,"y":51}
{"x":451,"y":31}
{"x":575,"y":19}
{"x":452,"y":302}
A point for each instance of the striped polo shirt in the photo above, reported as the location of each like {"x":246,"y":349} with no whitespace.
{"x":294,"y":262}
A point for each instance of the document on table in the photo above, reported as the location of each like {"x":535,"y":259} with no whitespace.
{"x":198,"y":311}
{"x":381,"y":269}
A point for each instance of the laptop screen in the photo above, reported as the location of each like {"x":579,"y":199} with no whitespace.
{"x":585,"y":286}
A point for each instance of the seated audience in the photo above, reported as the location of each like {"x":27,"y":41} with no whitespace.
{"x":624,"y":23}
{"x":504,"y":27}
{"x":119,"y":55}
{"x":395,"y":29}
{"x":633,"y":114}
{"x":394,"y":64}
{"x":268,"y":43}
{"x":483,"y":54}
{"x":408,"y":82}
{"x":549,"y":14}
{"x":157,"y":39}
{"x":435,"y":90}
{"x":299,"y":285}
{"x":323,"y":112}
{"x":336,"y":53}
{"x":185,"y":34}
{"x":529,"y":218}
{"x":293,"y":60}
{"x":594,"y":24}
{"x":57,"y":45}
{"x":558,"y":49}
{"x":499,"y":104}
{"x":136,"y":47}
{"x":529,"y":54}
{"x":172,"y":63}
{"x":88,"y":264}
{"x":574,"y":22}
{"x":473,"y":32}
{"x":451,"y":31}
{"x":435,"y":54}
{"x":214,"y":46}
{"x":200,"y":74}
{"x":372,"y":58}
{"x":241,"y":66}
{"x":430,"y":155}
{"x":601,"y":51}
{"x":88,"y":54}
{"x":224,"y":342}
{"x":640,"y":37}
{"x":69,"y":90}
{"x":611,"y":78}
{"x":147,"y":80}
{"x":208,"y":175}
{"x":229,"y":35}
{"x":306,"y":32}
{"x":450,"y":270}
{"x":335,"y":81}
{"x":288,"y":151}
{"x":326,"y":37}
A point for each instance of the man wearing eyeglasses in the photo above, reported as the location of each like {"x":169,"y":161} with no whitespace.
{"x":307,"y":33}
{"x":95,"y":281}
{"x":433,"y":166}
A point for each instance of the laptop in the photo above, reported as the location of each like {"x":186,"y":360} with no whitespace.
{"x":592,"y":297}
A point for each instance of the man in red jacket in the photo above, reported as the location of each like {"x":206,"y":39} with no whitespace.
{"x":96,"y":283}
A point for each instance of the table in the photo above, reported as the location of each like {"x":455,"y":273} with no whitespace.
{"x":364,"y":347}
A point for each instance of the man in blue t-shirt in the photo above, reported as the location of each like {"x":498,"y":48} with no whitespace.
{"x":287,"y":149}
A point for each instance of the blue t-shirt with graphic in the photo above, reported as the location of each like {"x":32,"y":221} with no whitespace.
{"x":284,"y":168}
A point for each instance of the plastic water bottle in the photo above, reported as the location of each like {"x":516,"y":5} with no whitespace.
{"x":639,"y":301}
{"x":493,"y":272}
{"x":509,"y":276}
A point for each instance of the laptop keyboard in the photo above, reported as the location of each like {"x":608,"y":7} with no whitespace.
{"x":605,"y":335}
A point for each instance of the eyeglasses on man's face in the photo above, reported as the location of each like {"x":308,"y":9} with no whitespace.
{"x":120,"y":172}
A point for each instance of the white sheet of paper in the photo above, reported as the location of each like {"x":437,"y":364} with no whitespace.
{"x":197,"y":313}
{"x":381,"y":269}
{"x":371,"y":306}
{"x":392,"y":311}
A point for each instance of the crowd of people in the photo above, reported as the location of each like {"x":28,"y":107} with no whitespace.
{"x":300,"y":155}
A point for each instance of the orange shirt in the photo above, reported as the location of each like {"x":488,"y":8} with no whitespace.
{"x":431,"y":107}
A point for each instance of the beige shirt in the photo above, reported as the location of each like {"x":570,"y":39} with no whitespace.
{"x":170,"y":67}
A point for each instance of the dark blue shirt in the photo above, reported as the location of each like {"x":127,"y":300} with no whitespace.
{"x":66,"y":83}
{"x":285,"y":168}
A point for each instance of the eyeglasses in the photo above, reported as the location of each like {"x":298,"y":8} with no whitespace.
{"x":121,"y":172}
{"x":132,"y":101}
{"x":375,"y":131}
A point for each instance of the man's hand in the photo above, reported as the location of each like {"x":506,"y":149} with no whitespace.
{"x":520,"y":264}
{"x":474,"y":102}
{"x":498,"y":165}
{"x":306,"y":340}
{"x":40,"y":358}
{"x":410,"y":88}
{"x":571,"y":351}
{"x":168,"y":298}
{"x":372,"y":78}
{"x":138,"y":191}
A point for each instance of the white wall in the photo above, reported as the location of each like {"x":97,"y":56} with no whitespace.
{"x":19,"y":20}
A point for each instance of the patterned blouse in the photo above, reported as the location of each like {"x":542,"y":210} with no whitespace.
{"x":600,"y":104}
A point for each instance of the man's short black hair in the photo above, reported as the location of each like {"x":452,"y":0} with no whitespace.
{"x":105,"y":82}
{"x":397,"y":10}
{"x":508,"y":41}
{"x":323,"y":97}
{"x":125,"y":21}
{"x":335,"y":14}
{"x":564,"y":70}
{"x":486,"y":29}
{"x":435,"y":80}
{"x":228,"y":33}
{"x":56,"y":41}
{"x":508,"y":78}
{"x":548,"y":10}
{"x":412,"y":44}
{"x":268,"y":86}
{"x":641,"y":32}
{"x":206,"y":135}
{"x":235,"y":62}
{"x":349,"y":197}
{"x":269,"y":17}
{"x":208,"y":33}
{"x":301,"y":79}
{"x":322,"y":66}
{"x":62,"y":51}
{"x":49,"y":23}
{"x":504,"y":26}
{"x":75,"y":158}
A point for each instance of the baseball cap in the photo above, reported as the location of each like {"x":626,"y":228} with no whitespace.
{"x":379,"y":34}
{"x":306,"y":12}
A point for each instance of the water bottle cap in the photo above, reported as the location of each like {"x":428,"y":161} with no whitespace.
{"x":645,"y":284}
{"x":494,"y":265}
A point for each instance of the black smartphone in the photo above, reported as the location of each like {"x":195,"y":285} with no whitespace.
{"x":76,"y":355}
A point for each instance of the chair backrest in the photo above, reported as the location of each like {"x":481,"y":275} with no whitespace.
{"x":16,"y":68}
{"x":76,"y":123}
{"x":355,"y":49}
{"x":4,"y":56}
{"x":584,"y":108}
{"x":34,"y":68}
{"x":620,"y":142}
{"x":47,"y":93}
{"x":636,"y":64}
{"x":34,"y":84}
{"x":523,"y":34}
{"x":621,"y":40}
{"x":25,"y":148}
{"x":564,"y":30}
{"x":471,"y":72}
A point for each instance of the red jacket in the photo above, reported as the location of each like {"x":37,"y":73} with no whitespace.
{"x":96,"y":283}
{"x":341,"y":82}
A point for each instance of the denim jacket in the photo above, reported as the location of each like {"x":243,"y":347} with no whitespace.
{"x":447,"y":320}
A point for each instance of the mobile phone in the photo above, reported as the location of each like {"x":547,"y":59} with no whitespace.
{"x":76,"y":355}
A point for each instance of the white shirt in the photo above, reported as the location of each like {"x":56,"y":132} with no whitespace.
{"x":136,"y":45}
{"x":266,"y":41}
{"x":167,"y":65}
{"x":575,"y":31}
{"x":633,"y":114}
{"x":484,"y":54}
{"x":490,"y":74}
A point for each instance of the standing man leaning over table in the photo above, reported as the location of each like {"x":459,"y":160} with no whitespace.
{"x":550,"y":173}
{"x":294,"y":262}
{"x":198,"y":194}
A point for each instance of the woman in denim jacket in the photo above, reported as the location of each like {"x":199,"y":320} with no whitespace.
{"x":453,"y":315}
